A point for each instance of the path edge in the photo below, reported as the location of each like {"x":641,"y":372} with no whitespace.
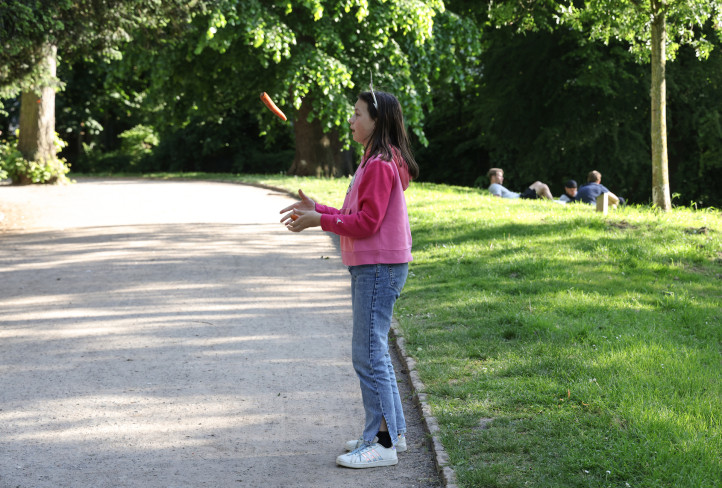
{"x":431,"y":425}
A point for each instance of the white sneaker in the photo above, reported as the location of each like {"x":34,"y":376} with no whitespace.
{"x":370,"y":456}
{"x":355,"y":444}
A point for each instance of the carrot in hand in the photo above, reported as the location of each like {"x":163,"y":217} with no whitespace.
{"x":272,"y":106}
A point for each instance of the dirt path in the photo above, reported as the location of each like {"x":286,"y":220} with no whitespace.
{"x":174,"y":334}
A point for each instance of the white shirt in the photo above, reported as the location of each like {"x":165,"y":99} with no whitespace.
{"x":500,"y":191}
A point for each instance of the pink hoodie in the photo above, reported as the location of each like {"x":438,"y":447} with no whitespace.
{"x":373,"y":222}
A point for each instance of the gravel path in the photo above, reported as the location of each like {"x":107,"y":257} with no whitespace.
{"x":174,"y":334}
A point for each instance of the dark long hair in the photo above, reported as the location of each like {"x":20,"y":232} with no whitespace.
{"x":389,"y":132}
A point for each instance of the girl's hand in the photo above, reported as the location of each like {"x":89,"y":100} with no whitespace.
{"x":306,"y":204}
{"x":303,"y":219}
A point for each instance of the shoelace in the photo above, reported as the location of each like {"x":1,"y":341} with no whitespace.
{"x":362,"y":447}
{"x":367,"y":453}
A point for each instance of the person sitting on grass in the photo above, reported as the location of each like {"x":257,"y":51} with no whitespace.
{"x":588,"y":193}
{"x":570,"y":192}
{"x":533,"y":191}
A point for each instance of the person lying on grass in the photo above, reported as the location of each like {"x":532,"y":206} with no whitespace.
{"x":588,"y":193}
{"x":533,"y":191}
{"x":570,"y":192}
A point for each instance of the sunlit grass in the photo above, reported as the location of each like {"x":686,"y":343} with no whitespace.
{"x":593,"y":342}
{"x":561,"y":347}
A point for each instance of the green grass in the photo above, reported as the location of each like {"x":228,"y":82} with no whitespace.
{"x":560,"y":347}
{"x":593,"y":342}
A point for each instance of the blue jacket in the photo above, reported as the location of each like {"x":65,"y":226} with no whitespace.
{"x":588,"y":193}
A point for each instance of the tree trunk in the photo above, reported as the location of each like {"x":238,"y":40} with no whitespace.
{"x":317,"y":153}
{"x":37,"y":116}
{"x":660,"y":169}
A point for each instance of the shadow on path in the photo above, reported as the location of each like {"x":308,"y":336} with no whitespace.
{"x":181,"y":354}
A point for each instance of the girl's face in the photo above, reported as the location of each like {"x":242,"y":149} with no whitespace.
{"x":362,"y":125}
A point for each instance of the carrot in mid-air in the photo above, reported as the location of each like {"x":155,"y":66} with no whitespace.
{"x":272,"y":106}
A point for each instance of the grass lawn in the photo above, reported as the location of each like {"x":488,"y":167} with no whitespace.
{"x":560,"y":347}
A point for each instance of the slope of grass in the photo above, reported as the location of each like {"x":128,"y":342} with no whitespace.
{"x":564,"y":348}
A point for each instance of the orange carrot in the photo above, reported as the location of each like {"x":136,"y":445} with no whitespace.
{"x":272,"y":106}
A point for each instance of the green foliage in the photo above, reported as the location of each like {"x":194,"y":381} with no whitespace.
{"x":8,"y":157}
{"x":199,"y":88}
{"x":92,"y":110}
{"x":629,"y":21}
{"x":21,"y":171}
{"x":524,"y":16}
{"x":138,"y":143}
{"x":617,"y":21}
{"x":695,"y":128}
{"x":136,"y":147}
{"x":77,"y":28}
{"x":231,"y":145}
{"x":25,"y":27}
{"x":321,"y":51}
{"x":94,"y":160}
{"x":581,"y":110}
{"x":97,"y":106}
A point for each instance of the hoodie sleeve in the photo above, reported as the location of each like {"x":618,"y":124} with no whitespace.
{"x":373,"y":199}
{"x":325,"y":209}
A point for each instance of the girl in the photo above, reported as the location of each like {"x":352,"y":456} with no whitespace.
{"x":376,"y":246}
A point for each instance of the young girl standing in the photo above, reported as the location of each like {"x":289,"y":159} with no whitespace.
{"x":376,"y":247}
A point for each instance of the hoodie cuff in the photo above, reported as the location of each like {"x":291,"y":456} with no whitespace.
{"x":326,"y":222}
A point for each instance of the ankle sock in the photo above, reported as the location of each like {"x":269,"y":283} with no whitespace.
{"x":385,"y":439}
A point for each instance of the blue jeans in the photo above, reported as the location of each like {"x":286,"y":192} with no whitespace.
{"x":374,"y":290}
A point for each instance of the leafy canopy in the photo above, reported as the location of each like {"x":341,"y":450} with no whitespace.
{"x":318,"y":51}
{"x":627,"y":21}
{"x":631,"y":20}
{"x":78,"y":28}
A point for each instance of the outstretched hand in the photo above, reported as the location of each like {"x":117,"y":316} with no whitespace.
{"x":301,"y":215}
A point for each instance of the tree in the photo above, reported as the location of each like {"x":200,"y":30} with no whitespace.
{"x":37,"y":121}
{"x":310,"y":56}
{"x":654,"y":29}
{"x":28,"y":62}
{"x":32,"y":34}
